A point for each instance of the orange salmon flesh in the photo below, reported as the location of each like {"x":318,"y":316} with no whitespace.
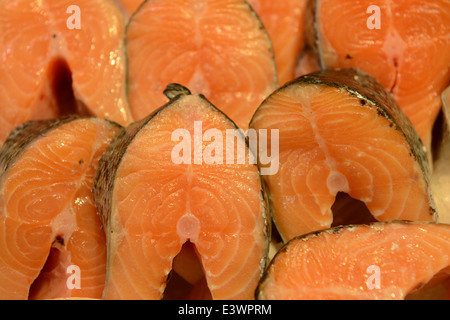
{"x":200,"y":39}
{"x":52,"y":69}
{"x":333,"y":141}
{"x":409,"y":31}
{"x":48,"y":220}
{"x":224,"y":149}
{"x":393,"y":260}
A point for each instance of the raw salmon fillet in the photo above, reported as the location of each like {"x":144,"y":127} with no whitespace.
{"x":340,"y":131}
{"x":284,"y":21}
{"x":48,"y":220}
{"x":409,"y":54}
{"x":48,"y":69}
{"x":151,"y":203}
{"x":218,"y":48}
{"x":384,"y":260}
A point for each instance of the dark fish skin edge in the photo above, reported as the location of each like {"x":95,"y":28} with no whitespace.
{"x":109,"y":163}
{"x":105,"y":173}
{"x":23,"y":136}
{"x":366,"y":88}
{"x":337,"y":229}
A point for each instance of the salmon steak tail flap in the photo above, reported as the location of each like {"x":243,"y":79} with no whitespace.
{"x":49,"y":227}
{"x":394,"y":260}
{"x":341,"y":132}
{"x":169,"y":182}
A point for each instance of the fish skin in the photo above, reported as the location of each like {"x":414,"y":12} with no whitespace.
{"x":104,"y":180}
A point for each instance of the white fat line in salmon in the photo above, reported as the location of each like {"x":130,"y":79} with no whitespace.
{"x":212,"y":153}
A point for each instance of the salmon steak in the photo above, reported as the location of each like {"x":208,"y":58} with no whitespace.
{"x":170,"y":180}
{"x":284,"y":21}
{"x":307,"y":63}
{"x":51,"y":241}
{"x":340,"y":131}
{"x":384,"y":260}
{"x":218,"y":48}
{"x":68,"y":59}
{"x":404,"y":44}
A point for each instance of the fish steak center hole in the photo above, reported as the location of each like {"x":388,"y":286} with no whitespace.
{"x":52,"y":273}
{"x":186,"y":280}
{"x":347,"y":210}
{"x":60,"y":77}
